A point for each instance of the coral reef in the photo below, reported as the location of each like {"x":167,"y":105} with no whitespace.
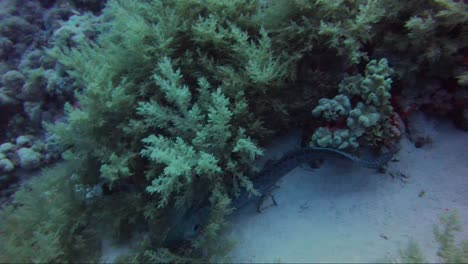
{"x":33,"y":86}
{"x":161,"y":107}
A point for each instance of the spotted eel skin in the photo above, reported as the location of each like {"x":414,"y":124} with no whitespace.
{"x":270,"y":174}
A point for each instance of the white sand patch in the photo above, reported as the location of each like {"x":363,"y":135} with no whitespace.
{"x":345,"y":213}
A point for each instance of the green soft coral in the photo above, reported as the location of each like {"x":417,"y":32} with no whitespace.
{"x":160,"y":115}
{"x":47,"y":222}
{"x":206,"y":135}
{"x":181,"y":162}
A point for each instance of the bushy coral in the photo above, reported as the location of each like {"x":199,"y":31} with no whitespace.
{"x":412,"y":253}
{"x":47,"y":223}
{"x":449,"y":252}
{"x":171,"y":120}
{"x":77,"y":29}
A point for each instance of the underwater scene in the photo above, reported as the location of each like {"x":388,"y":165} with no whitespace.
{"x":233,"y":131}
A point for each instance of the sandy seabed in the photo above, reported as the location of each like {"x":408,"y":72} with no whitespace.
{"x":344,"y":213}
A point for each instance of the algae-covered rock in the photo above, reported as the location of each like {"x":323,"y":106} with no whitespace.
{"x":7,"y":147}
{"x":6,"y":45}
{"x":13,"y":80}
{"x":6,"y":98}
{"x":6,"y":165}
{"x":32,"y":60}
{"x":24,"y":141}
{"x":34,"y":112}
{"x":18,"y":29}
{"x":76,"y":30}
{"x":34,"y":87}
{"x":29,"y":159}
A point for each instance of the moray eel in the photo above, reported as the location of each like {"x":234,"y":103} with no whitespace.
{"x":190,"y":226}
{"x":268,"y":176}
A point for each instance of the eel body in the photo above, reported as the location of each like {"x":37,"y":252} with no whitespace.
{"x":189,"y":226}
{"x":270,"y":174}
